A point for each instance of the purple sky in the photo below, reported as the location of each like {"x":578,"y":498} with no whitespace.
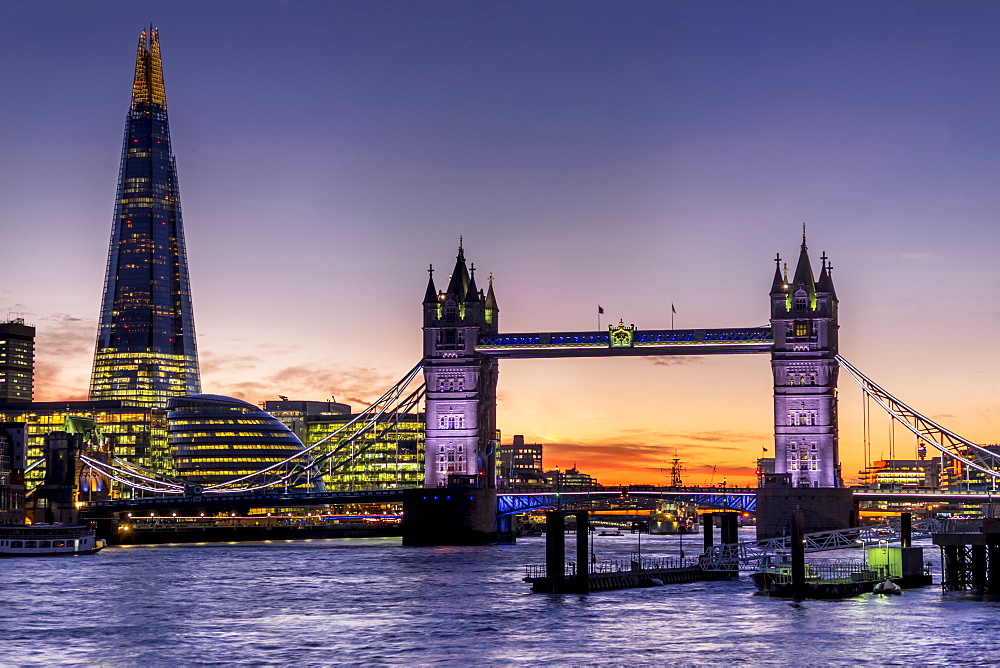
{"x":628,"y":154}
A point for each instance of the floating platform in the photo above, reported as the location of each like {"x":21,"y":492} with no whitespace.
{"x":844,"y":578}
{"x":612,"y":575}
{"x":839,"y":587}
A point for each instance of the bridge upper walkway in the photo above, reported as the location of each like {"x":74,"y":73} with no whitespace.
{"x":642,"y":342}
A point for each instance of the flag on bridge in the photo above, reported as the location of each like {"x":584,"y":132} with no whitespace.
{"x":672,"y":309}
{"x":600,"y":309}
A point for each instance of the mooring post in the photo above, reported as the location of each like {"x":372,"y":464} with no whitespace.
{"x":729,"y":528}
{"x":905,"y":529}
{"x":706,"y":521}
{"x":993,"y":573}
{"x":798,"y":555}
{"x":583,"y":552}
{"x":555,"y":550}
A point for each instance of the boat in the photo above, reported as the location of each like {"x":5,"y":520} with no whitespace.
{"x":48,"y":540}
{"x":887,"y":587}
{"x":673,"y":517}
{"x":611,"y":533}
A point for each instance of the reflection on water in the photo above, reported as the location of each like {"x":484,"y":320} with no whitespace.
{"x":373,"y":601}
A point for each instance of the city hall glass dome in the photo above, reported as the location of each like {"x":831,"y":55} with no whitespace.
{"x":214,"y":439}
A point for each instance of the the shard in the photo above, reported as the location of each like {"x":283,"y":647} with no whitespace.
{"x":146,"y":350}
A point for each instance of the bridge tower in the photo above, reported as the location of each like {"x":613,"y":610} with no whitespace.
{"x":804,"y":321}
{"x":461,"y":383}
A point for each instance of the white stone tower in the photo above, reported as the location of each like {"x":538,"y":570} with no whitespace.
{"x":461,"y":384}
{"x":804,"y":320}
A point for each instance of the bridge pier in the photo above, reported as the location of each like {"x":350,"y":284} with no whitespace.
{"x":824,"y":509}
{"x":449,"y":516}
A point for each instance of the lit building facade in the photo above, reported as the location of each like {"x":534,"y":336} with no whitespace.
{"x":17,"y":361}
{"x":958,"y":477}
{"x":519,"y":463}
{"x":215,"y":439}
{"x":146,"y":350}
{"x":902,"y":474}
{"x":392,"y":457}
{"x":765,"y":468}
{"x":137,"y":434}
{"x":805,"y":326}
{"x":571,"y":480}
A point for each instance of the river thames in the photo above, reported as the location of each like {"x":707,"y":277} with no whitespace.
{"x":371,"y":601}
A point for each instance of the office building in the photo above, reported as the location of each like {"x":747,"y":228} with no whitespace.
{"x":146,"y":351}
{"x":902,"y":474}
{"x":137,"y":434}
{"x":17,"y":361}
{"x":215,"y":439}
{"x":519,"y":463}
{"x":388,"y":457}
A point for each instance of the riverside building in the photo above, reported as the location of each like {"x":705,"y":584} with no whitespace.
{"x":215,"y":439}
{"x":391,"y":457}
{"x":137,"y":434}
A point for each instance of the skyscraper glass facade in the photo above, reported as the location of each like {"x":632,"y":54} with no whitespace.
{"x":146,"y":350}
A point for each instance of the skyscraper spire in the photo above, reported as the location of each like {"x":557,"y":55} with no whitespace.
{"x":146,"y":350}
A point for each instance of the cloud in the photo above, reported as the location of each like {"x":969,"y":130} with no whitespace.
{"x":348,"y":384}
{"x":211,"y":363}
{"x":645,"y":457}
{"x":64,"y":348}
{"x":673,"y":360}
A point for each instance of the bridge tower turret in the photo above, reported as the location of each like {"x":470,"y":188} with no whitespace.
{"x":461,"y":384}
{"x":804,"y":322}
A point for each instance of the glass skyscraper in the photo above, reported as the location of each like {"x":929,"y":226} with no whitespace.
{"x":146,"y":350}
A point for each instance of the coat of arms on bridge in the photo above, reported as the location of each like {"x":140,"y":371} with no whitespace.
{"x":621,"y":335}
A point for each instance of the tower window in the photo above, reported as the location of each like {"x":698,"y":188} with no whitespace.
{"x":801,"y":328}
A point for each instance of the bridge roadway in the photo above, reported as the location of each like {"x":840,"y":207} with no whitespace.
{"x":738,"y":499}
{"x":254,"y":500}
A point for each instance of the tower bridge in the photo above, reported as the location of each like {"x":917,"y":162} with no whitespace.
{"x":460,"y":368}
{"x":463,"y":345}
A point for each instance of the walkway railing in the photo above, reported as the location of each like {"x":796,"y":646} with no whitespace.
{"x":847,"y":570}
{"x":537,"y":571}
{"x":753,"y":554}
